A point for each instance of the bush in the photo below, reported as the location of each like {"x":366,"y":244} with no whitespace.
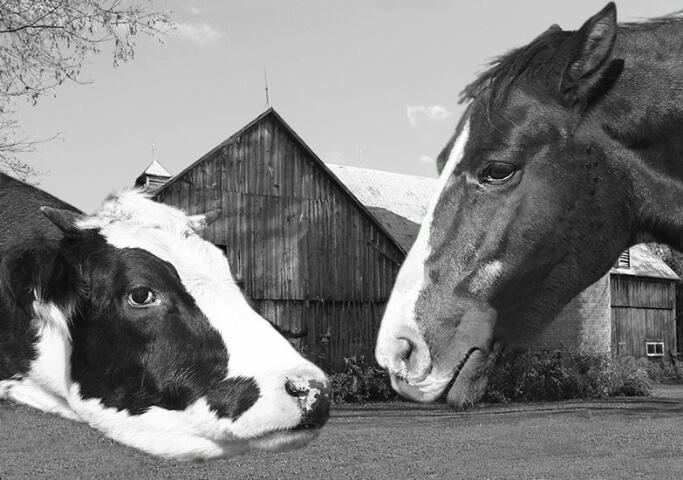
{"x":535,"y":376}
{"x":360,"y":381}
{"x":662,"y":371}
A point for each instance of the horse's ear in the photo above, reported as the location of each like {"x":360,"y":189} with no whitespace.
{"x":589,"y":56}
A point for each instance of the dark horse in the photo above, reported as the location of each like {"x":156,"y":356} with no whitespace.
{"x":570,"y":151}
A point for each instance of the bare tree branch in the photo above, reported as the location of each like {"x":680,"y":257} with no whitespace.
{"x":43,"y":43}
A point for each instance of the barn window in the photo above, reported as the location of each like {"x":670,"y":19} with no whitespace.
{"x":655,"y":349}
{"x":624,"y":259}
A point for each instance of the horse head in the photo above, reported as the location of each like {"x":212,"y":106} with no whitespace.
{"x":533,"y":205}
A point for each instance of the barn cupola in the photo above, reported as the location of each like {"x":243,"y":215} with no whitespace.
{"x":153,"y":178}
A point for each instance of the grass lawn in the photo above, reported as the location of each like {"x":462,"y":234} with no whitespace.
{"x":616,"y":439}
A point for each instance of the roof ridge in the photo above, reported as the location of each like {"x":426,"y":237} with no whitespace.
{"x":336,"y":165}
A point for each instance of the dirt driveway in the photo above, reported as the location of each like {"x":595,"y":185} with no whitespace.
{"x":612,"y":439}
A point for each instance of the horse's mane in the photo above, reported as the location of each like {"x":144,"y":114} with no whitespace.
{"x":668,"y":19}
{"x":536,"y":62}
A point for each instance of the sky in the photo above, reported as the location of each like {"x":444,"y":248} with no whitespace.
{"x":371,"y":83}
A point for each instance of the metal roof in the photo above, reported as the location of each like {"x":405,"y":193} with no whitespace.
{"x":644,"y":263}
{"x":398,"y":201}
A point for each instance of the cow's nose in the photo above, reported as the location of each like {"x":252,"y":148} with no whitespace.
{"x":313,"y":397}
{"x":406,"y":355}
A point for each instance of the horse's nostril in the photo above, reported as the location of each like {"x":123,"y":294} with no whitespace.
{"x":407,"y":352}
{"x":406,"y":358}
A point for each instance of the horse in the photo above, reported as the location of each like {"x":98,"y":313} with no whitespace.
{"x":570,"y":150}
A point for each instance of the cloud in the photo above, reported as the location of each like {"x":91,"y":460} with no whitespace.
{"x":418,"y":113}
{"x":194,"y":10}
{"x":426,"y":159}
{"x":200,"y":33}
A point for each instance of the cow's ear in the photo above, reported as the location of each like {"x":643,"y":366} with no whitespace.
{"x":589,"y":57}
{"x":65,"y":220}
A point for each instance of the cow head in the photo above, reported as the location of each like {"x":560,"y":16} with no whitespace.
{"x":162,"y":350}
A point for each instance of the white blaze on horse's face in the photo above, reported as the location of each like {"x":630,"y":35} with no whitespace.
{"x":402,"y":346}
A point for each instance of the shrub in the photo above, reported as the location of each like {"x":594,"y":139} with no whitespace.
{"x":534,"y":376}
{"x":360,"y":381}
{"x":662,"y":371}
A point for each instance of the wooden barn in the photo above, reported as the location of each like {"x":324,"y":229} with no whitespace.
{"x":314,"y":260}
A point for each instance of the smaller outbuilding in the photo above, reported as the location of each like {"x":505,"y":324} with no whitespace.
{"x":153,"y":178}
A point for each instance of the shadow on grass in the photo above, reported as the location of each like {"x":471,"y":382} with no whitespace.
{"x":637,"y":406}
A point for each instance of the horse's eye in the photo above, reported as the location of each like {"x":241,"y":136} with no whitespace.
{"x":141,"y":297}
{"x":497,"y":172}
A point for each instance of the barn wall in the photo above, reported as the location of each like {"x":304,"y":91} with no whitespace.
{"x":643,"y":309}
{"x":340,"y":328}
{"x":311,"y":260}
{"x":584,"y":324}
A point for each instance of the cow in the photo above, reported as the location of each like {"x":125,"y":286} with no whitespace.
{"x":128,"y":320}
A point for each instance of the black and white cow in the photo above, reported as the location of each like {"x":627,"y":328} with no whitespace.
{"x":128,"y":320}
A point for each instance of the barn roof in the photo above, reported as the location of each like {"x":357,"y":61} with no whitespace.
{"x":398,"y":201}
{"x":271,"y":113}
{"x":644,"y":263}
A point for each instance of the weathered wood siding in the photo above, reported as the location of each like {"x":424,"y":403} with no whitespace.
{"x":643,"y":309}
{"x":312,"y":260}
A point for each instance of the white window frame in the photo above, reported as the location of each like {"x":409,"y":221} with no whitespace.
{"x":654,"y":352}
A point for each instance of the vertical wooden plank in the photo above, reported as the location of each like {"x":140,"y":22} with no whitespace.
{"x":244,"y":239}
{"x":293,"y":275}
{"x":337,"y":263}
{"x":289,"y":167}
{"x":296,"y":174}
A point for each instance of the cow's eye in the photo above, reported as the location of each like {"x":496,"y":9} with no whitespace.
{"x":141,"y":297}
{"x":497,"y":172}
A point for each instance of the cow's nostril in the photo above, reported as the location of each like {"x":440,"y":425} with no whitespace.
{"x":313,"y":398}
{"x":296,"y":388}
